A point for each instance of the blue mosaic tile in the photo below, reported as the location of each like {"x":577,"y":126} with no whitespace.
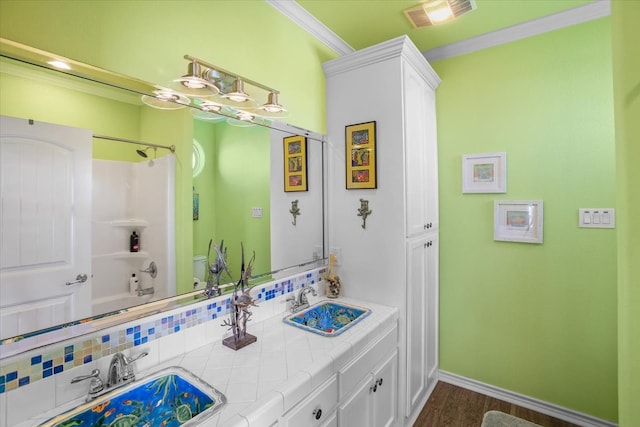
{"x":137,"y":334}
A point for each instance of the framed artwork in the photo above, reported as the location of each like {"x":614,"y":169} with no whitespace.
{"x":518,"y":220}
{"x":295,"y":163}
{"x":360,"y":156}
{"x":484,"y":173}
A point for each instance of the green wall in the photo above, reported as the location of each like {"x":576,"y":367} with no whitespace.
{"x":626,"y":73}
{"x":236,"y":178}
{"x":535,"y":319}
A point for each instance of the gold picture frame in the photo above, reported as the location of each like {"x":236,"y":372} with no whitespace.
{"x":295,"y":163}
{"x":360,"y":156}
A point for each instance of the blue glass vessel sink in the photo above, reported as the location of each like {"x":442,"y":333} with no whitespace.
{"x":171,"y":397}
{"x":328,"y":318}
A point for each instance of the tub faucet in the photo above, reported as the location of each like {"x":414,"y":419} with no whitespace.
{"x":300,"y":301}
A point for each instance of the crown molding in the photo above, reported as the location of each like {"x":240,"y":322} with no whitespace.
{"x":577,"y":15}
{"x":399,"y":47}
{"x":292,"y":10}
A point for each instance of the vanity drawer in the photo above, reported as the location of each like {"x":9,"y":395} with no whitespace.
{"x":358,"y":368}
{"x":315,"y":409}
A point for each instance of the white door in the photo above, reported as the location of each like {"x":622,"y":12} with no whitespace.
{"x":45,"y":225}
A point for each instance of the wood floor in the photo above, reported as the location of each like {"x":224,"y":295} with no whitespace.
{"x":454,"y":406}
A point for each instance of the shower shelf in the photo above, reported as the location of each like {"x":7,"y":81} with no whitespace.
{"x":129,"y":255}
{"x":130,"y":223}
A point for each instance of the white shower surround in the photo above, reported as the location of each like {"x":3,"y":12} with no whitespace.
{"x":132,"y":196}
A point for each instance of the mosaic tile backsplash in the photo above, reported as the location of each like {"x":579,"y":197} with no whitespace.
{"x":57,"y":358}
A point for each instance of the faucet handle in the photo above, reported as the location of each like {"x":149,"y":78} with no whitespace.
{"x":96,"y":384}
{"x":128,"y":367}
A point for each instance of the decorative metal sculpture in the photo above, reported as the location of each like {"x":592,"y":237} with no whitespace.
{"x":216,"y":269}
{"x":240,"y":313}
{"x":364,"y":211}
{"x":295,"y":210}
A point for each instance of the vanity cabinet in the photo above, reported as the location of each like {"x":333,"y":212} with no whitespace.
{"x":373,"y":402}
{"x":318,"y":409}
{"x":393,"y":260}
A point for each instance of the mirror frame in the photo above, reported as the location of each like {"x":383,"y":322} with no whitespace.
{"x":39,"y":58}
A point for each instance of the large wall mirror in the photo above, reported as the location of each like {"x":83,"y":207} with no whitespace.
{"x":143,"y":167}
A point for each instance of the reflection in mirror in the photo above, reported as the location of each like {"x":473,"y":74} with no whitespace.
{"x":240,"y":192}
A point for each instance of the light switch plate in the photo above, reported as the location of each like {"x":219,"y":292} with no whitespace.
{"x":256,"y":212}
{"x":597,"y":217}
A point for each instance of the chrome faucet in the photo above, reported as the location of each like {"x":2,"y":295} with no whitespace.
{"x":120,"y":373}
{"x":300,"y":301}
{"x":121,"y":369}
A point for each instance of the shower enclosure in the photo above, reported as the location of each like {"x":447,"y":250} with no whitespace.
{"x":130,"y":197}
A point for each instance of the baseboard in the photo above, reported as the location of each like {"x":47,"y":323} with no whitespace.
{"x":543,"y":407}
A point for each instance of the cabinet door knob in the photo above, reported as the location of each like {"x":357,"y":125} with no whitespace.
{"x":380,"y":381}
{"x":317,"y":413}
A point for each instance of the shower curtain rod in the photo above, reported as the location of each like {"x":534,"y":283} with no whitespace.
{"x":171,"y":148}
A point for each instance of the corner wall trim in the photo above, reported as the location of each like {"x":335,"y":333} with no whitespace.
{"x":543,"y":407}
{"x":566,"y":18}
{"x":308,"y":22}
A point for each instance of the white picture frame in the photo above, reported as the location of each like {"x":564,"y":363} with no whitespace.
{"x":518,"y":220}
{"x":484,"y":173}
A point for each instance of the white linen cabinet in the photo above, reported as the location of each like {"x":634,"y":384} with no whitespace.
{"x":394,"y":259}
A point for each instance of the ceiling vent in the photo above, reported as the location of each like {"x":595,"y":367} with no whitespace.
{"x":422,"y":15}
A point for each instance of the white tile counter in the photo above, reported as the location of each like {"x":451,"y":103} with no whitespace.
{"x":265,"y":379}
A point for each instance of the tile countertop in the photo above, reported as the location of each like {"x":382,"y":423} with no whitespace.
{"x":267,"y":378}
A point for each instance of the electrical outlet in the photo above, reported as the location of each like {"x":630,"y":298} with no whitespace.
{"x":337,"y":252}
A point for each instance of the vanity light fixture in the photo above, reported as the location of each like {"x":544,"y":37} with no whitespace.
{"x":272,"y":106}
{"x":238,"y":94}
{"x":212,"y":89}
{"x":194,"y":84}
{"x":166,"y":99}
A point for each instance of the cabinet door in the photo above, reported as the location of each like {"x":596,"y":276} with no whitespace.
{"x":431,"y":161}
{"x":385,"y":395}
{"x":417,"y":99}
{"x":356,"y":410}
{"x":432,"y":273}
{"x":417,"y":266}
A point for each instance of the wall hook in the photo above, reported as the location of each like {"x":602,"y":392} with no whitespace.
{"x":295,"y":211}
{"x":364,"y":212}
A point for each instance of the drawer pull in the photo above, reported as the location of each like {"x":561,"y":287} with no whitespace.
{"x":317,"y":413}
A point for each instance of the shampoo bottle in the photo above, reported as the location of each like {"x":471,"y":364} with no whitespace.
{"x":134,"y":242}
{"x":133,"y":284}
